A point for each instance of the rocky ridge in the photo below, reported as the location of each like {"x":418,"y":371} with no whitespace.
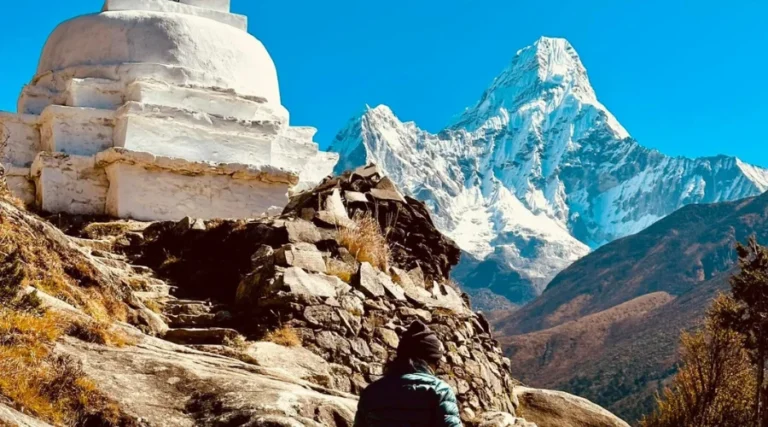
{"x":537,"y":173}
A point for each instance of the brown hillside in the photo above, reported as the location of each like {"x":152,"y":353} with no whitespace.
{"x":602,"y":329}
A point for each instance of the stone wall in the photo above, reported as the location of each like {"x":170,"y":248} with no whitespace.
{"x":284,"y":274}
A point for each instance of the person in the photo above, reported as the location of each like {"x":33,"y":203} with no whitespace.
{"x":409,"y":394}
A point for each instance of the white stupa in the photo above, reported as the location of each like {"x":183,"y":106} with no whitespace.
{"x":156,"y":110}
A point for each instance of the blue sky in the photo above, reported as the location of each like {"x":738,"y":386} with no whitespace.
{"x":685,"y":77}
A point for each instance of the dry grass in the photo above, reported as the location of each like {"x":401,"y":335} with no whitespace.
{"x":99,"y":333}
{"x":238,"y":343}
{"x":284,"y":336}
{"x":153,"y":306}
{"x":51,"y":387}
{"x":29,"y":258}
{"x":366,"y":242}
{"x":340,"y":269}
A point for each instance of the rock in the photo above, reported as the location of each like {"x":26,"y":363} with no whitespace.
{"x":387,"y":195}
{"x":301,"y":257}
{"x":355,"y":197}
{"x":368,"y":281}
{"x":369,"y":171}
{"x":360,"y":348}
{"x":501,"y":419}
{"x":296,"y":281}
{"x":322,"y":315}
{"x":302,"y":231}
{"x":335,"y":206}
{"x":549,"y":408}
{"x":352,"y":304}
{"x":423,"y":315}
{"x":12,"y":417}
{"x":294,"y":361}
{"x":168,"y":385}
{"x":392,"y":289}
{"x":374,"y":283}
{"x":189,"y":336}
{"x":388,"y":337}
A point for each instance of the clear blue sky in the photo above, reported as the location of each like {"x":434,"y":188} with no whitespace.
{"x":686,"y":77}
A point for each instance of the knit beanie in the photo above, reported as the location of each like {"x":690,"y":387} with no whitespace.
{"x":420,"y":342}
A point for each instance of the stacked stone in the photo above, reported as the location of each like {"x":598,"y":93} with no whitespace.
{"x":278,"y":274}
{"x":412,"y":236}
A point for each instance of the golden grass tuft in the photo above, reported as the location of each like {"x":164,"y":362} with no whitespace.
{"x":285,"y":336}
{"x":99,"y":333}
{"x":51,"y":387}
{"x":365,"y":241}
{"x":340,"y":269}
{"x":238,"y":343}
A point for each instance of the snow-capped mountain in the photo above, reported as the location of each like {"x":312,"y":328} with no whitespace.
{"x":537,"y":173}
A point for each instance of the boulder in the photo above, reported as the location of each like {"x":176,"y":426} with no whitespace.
{"x":368,"y":281}
{"x":549,"y":408}
{"x":294,"y":361}
{"x":306,"y":257}
{"x":298,"y":282}
{"x":501,"y":419}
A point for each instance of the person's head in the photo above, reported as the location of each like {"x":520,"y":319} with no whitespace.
{"x":419,"y":345}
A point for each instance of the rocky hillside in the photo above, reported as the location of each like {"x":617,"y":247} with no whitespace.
{"x":537,"y":173}
{"x":607,"y":328}
{"x":270,"y":322}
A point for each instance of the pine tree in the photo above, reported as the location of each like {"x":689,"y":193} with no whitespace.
{"x":749,"y":316}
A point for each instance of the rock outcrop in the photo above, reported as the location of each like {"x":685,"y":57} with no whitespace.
{"x":270,"y":322}
{"x":295,"y":273}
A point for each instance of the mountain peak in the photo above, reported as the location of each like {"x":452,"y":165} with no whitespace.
{"x":550,"y":66}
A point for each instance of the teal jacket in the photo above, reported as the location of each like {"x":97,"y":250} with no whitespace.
{"x":411,"y":400}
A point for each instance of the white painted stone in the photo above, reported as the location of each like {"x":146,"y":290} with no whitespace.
{"x":67,"y":183}
{"x":198,"y":139}
{"x":217,"y":103}
{"x":203,"y":52}
{"x":188,"y":7}
{"x":78,"y":131}
{"x":95,"y":93}
{"x":220,"y":5}
{"x":145,"y":194}
{"x":19,"y":139}
{"x":147,"y":187}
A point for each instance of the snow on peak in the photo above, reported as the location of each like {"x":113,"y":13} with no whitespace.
{"x":537,"y":172}
{"x":544,"y":75}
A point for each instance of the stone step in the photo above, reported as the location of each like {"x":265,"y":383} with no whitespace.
{"x":188,"y":307}
{"x":198,"y":336}
{"x":164,"y":290}
{"x":151,"y":295}
{"x":194,"y":320}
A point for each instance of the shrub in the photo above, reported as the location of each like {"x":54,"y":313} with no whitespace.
{"x":285,"y":336}
{"x":365,"y":241}
{"x":715,"y":386}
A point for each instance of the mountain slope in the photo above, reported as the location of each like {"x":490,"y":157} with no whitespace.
{"x":607,"y":328}
{"x":537,"y":173}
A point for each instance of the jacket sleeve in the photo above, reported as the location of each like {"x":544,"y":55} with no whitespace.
{"x":448,"y":408}
{"x":360,"y":414}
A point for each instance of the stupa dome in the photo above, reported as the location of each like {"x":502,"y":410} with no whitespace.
{"x":195,"y":51}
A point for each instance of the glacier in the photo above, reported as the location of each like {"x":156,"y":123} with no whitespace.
{"x":536,"y":174}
